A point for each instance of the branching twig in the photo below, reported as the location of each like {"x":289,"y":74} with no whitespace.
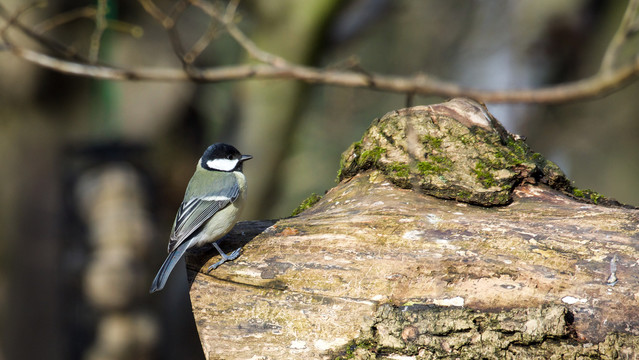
{"x":228,"y":20}
{"x":611,"y":78}
{"x":202,"y":43}
{"x":87,"y":12}
{"x":170,"y":23}
{"x":627,"y":27}
{"x":13,"y":22}
{"x":150,"y":7}
{"x":98,"y":32}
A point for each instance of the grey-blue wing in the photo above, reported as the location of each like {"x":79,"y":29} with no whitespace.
{"x":191,"y":216}
{"x":193,"y":213}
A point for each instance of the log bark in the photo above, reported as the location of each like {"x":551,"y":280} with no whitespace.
{"x":397,"y":261}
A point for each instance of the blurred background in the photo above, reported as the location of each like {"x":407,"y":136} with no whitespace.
{"x":93,"y":171}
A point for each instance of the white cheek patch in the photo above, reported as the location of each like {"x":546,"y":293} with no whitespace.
{"x":222,"y":164}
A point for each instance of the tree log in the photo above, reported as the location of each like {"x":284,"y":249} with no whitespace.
{"x":421,"y":252}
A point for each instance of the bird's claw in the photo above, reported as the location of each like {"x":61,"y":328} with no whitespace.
{"x":235,"y":254}
{"x":232,"y":256}
{"x":214,"y":266}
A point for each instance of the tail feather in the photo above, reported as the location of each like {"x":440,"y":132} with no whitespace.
{"x":168,"y":265}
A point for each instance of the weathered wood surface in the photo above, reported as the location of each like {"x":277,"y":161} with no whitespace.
{"x":375,"y":270}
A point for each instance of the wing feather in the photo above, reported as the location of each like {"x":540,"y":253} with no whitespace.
{"x":193,"y":213}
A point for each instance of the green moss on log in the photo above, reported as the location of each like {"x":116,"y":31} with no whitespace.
{"x":307,"y":203}
{"x":455,"y":150}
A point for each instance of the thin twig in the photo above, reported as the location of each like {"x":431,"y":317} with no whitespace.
{"x":202,"y":43}
{"x":49,"y":24}
{"x":624,"y":31}
{"x":228,"y":20}
{"x":152,"y":9}
{"x":13,"y":22}
{"x":88,"y":12}
{"x":135,"y":31}
{"x":170,"y":24}
{"x":98,"y":32}
{"x":205,"y":39}
{"x":231,"y":9}
{"x":187,"y":57}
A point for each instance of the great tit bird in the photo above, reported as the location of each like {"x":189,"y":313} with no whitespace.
{"x":211,"y":206}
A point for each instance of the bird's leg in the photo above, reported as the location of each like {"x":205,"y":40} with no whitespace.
{"x":230,"y":257}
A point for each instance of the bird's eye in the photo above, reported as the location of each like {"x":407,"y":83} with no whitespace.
{"x":230,"y":157}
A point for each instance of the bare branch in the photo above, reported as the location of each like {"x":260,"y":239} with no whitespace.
{"x":611,"y":78}
{"x":595,"y":86}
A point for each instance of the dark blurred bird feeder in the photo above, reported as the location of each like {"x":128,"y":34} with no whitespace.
{"x":111,"y":198}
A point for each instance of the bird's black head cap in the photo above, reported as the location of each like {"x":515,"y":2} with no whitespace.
{"x":223,"y":157}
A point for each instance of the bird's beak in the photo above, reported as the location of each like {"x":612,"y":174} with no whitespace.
{"x":246,"y":157}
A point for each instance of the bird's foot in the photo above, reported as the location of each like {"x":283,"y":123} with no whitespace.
{"x":214,"y":266}
{"x":230,"y":257}
{"x":235,"y":254}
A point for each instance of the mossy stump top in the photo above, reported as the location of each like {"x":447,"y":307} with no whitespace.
{"x":445,"y":238}
{"x":455,"y":150}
